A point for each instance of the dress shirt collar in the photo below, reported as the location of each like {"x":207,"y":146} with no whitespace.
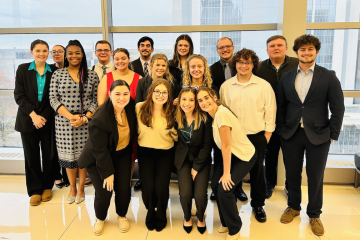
{"x":33,"y":67}
{"x":143,"y":62}
{"x":222,"y":62}
{"x":107,"y":65}
{"x":310,"y":69}
{"x":253,"y":79}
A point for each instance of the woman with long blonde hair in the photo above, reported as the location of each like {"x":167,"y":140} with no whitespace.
{"x":193,"y":157}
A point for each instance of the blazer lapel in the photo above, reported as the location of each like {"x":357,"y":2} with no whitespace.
{"x":314,"y":82}
{"x":195,"y":134}
{"x":47,"y":82}
{"x":292,"y":84}
{"x":113,"y":123}
{"x":33,"y":80}
{"x":131,"y":117}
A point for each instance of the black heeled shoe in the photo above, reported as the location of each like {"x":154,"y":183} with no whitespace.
{"x":201,"y":229}
{"x":59,"y":185}
{"x":187,"y":228}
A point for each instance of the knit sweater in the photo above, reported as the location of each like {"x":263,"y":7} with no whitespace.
{"x":268,"y":72}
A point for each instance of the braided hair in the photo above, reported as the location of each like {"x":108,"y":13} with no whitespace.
{"x":83,"y":70}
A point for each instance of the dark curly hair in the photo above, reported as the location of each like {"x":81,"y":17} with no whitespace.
{"x":245,"y":54}
{"x":305,"y":40}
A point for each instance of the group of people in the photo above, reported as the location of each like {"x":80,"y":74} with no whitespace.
{"x":171,"y":115}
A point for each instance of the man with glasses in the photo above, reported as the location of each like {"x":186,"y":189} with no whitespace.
{"x":103,"y":53}
{"x":252,"y":99}
{"x":271,"y":70}
{"x":142,"y":64}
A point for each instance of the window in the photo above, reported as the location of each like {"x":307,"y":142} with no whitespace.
{"x":193,"y":12}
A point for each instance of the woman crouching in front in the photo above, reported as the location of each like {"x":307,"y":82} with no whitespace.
{"x":238,"y":157}
{"x":156,"y":150}
{"x":193,"y":156}
{"x":107,"y":154}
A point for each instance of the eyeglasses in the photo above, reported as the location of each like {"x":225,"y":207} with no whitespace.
{"x":224,"y":47}
{"x":58,"y":52}
{"x":103,"y":50}
{"x":246,"y":63}
{"x":158,"y":93}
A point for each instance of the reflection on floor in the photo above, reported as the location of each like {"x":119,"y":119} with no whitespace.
{"x":58,"y":220}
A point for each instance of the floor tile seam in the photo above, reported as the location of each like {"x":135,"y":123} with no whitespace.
{"x":71,"y":223}
{"x":357,"y":189}
{"x":147,"y":234}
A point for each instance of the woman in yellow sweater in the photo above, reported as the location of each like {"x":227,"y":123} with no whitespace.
{"x":156,"y":150}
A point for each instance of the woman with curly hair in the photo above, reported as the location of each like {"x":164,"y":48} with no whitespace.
{"x":156,"y":150}
{"x":196,"y":74}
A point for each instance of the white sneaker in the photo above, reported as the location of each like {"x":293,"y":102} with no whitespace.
{"x":98,"y":228}
{"x":124,"y":225}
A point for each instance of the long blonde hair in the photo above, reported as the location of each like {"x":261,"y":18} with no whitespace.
{"x":200,"y":115}
{"x":187,"y":77}
{"x":160,"y":56}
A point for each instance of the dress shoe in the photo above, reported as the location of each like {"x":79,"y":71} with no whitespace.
{"x":240,"y":194}
{"x":316,"y":226}
{"x":233,"y":237}
{"x":187,"y":228}
{"x":35,"y":200}
{"x":288,"y":215}
{"x":59,"y":185}
{"x":269,"y":188}
{"x":159,"y":228}
{"x":88,"y":182}
{"x":124,"y":225}
{"x":70,"y":200}
{"x":201,"y":229}
{"x":98,"y":228}
{"x":79,"y":199}
{"x":212,"y":196}
{"x":138,"y":185}
{"x":66,"y":183}
{"x":223,"y":229}
{"x":260,"y":214}
{"x":46,"y":195}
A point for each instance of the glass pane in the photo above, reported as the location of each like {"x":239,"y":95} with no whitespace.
{"x":204,"y":42}
{"x":349,"y":139}
{"x":193,"y":12}
{"x":333,"y":11}
{"x":8,"y":136}
{"x":340,"y":51}
{"x":50,"y":13}
{"x":15,"y":50}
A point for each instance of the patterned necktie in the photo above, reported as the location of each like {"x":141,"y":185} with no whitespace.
{"x":227,"y":71}
{"x":146,"y":72}
{"x":104,"y":70}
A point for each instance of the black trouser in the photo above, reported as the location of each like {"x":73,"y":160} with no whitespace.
{"x":257,"y":176}
{"x":271,"y":158}
{"x":38,"y":180}
{"x":316,"y":157}
{"x":155,"y":170}
{"x":122,"y":165}
{"x":197,"y":189}
{"x":225,"y":200}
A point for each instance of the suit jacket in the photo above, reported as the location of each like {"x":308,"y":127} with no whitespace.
{"x":325,"y":91}
{"x":26,"y":96}
{"x":218,"y":74}
{"x":104,"y":137}
{"x":144,"y":85}
{"x":199,"y":149}
{"x":138,"y":68}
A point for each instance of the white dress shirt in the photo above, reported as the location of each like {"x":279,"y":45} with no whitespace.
{"x":253,"y":103}
{"x":99,"y":70}
{"x":302,"y":83}
{"x":148,"y":66}
{"x":241,"y":146}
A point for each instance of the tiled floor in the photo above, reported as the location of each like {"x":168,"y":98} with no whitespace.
{"x":58,"y":220}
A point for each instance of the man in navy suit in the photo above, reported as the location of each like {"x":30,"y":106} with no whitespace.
{"x":304,"y":97}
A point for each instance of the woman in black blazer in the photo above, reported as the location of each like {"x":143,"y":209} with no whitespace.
{"x":107,"y":154}
{"x":193,"y":156}
{"x":34,"y":121}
